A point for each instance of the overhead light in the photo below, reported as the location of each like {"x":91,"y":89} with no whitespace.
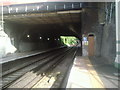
{"x":75,"y":11}
{"x":48,"y":38}
{"x":28,"y":36}
{"x":70,"y":11}
{"x":40,"y":37}
{"x":102,"y":23}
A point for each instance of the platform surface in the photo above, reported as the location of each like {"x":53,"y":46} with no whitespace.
{"x":84,"y":75}
{"x":15,"y":56}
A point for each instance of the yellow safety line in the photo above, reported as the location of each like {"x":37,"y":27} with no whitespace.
{"x":95,"y":79}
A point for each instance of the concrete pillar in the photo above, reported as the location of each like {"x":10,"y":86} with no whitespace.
{"x":5,"y":43}
{"x":1,"y":29}
{"x":1,"y":19}
{"x":117,"y":60}
{"x":2,"y":34}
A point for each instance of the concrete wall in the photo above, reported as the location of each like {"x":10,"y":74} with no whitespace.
{"x":90,"y":24}
{"x":94,"y":21}
{"x":108,"y":49}
{"x":108,"y":44}
{"x":117,"y":60}
{"x":16,"y":36}
{"x":40,"y":45}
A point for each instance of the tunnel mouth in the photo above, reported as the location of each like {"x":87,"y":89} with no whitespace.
{"x":31,"y":30}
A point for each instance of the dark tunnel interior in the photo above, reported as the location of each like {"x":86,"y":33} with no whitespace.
{"x":43,"y":31}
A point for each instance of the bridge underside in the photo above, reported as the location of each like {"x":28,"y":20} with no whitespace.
{"x":59,"y":23}
{"x":40,"y":25}
{"x":41,"y":22}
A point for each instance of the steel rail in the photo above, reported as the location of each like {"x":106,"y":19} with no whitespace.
{"x":28,"y":68}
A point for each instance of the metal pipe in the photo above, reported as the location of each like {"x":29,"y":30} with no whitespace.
{"x":2,"y":19}
{"x":106,"y":10}
{"x":110,"y":13}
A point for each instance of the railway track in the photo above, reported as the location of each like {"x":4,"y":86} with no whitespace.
{"x":56,"y":77}
{"x":36,"y":66}
{"x":14,"y":65}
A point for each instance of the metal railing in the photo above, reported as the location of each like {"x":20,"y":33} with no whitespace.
{"x":41,"y":7}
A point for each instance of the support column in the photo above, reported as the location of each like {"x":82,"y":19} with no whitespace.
{"x":5,"y":42}
{"x":1,"y":30}
{"x":117,"y":60}
{"x":2,"y":34}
